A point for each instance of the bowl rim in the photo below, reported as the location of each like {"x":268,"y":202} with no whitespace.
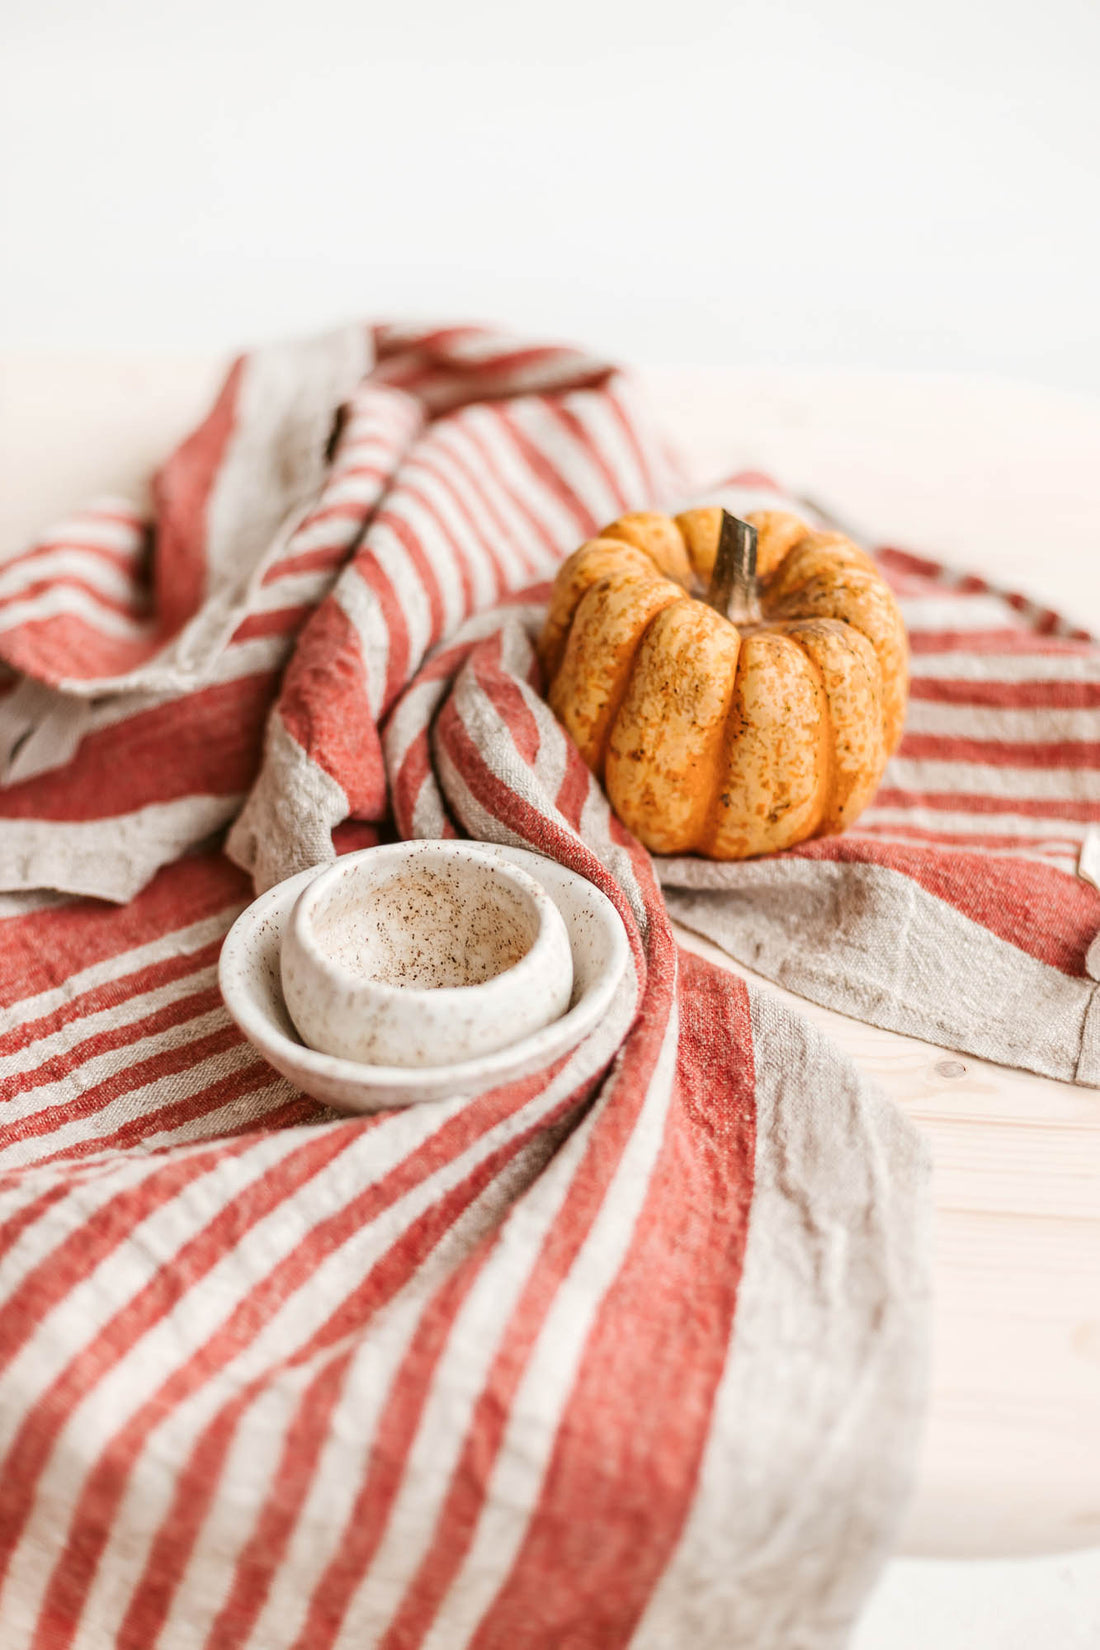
{"x":300,"y":923}
{"x":265,"y":1035}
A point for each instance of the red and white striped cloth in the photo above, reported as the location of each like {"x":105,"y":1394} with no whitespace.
{"x":955,"y":910}
{"x":629,"y":1352}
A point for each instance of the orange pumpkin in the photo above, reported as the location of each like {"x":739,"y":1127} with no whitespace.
{"x":737,"y":724}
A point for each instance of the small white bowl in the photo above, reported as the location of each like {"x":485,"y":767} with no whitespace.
{"x":423,"y":954}
{"x":249,"y":976}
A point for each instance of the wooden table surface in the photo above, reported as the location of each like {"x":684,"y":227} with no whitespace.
{"x":1003,"y":479}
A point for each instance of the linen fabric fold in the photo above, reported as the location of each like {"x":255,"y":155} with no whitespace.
{"x":627,"y":1351}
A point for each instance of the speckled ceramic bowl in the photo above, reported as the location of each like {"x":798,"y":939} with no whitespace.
{"x":423,"y":954}
{"x":249,"y":975}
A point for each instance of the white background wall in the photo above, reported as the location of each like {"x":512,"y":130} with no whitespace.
{"x":842,"y":183}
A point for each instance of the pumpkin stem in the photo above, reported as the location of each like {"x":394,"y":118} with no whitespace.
{"x":733,"y":588}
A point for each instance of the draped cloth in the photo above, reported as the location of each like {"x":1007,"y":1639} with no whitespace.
{"x":628,"y":1352}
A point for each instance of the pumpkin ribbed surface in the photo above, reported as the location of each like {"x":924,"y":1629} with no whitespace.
{"x":715,"y":738}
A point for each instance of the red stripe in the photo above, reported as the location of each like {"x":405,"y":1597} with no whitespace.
{"x":134,"y":606}
{"x":1074,"y":754}
{"x":543,"y":834}
{"x":57,"y":1066}
{"x":970,"y":584}
{"x":255,"y":1078}
{"x":112,"y":994}
{"x":456,"y":380}
{"x":355,"y":834}
{"x":1010,"y":695}
{"x":121,"y":557}
{"x":411,"y":777}
{"x":485,"y":518}
{"x":44,"y":1421}
{"x":962,"y":802}
{"x":199,"y":1479}
{"x":23,"y":1218}
{"x":140,"y":1074}
{"x":620,"y":1105}
{"x":474,"y":527}
{"x":576,"y":786}
{"x":374,"y":472}
{"x":505,"y":695}
{"x":971,"y":841}
{"x":280,"y":621}
{"x":125,"y":515}
{"x":756,"y":479}
{"x":551,"y":477}
{"x":585,"y":440}
{"x":398,"y":1422}
{"x":391,"y":342}
{"x":416,"y":763}
{"x":67,"y":648}
{"x":419,"y":561}
{"x":46,"y":947}
{"x":1002,"y":895}
{"x":905,"y":562}
{"x":181,"y":494}
{"x":215,"y":738}
{"x":353,"y":512}
{"x":318,"y":560}
{"x":1017,"y":642}
{"x":259,"y":1562}
{"x":630,"y":1442}
{"x":105,"y":1485}
{"x":294,"y":1113}
{"x":368,"y":568}
{"x":629,"y":434}
{"x":99,"y":1234}
{"x":201,"y":1475}
{"x":510,"y":361}
{"x":519,"y":500}
{"x":324,"y":706}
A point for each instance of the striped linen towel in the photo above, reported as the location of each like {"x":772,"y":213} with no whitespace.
{"x":963,"y":906}
{"x":628,"y":1352}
